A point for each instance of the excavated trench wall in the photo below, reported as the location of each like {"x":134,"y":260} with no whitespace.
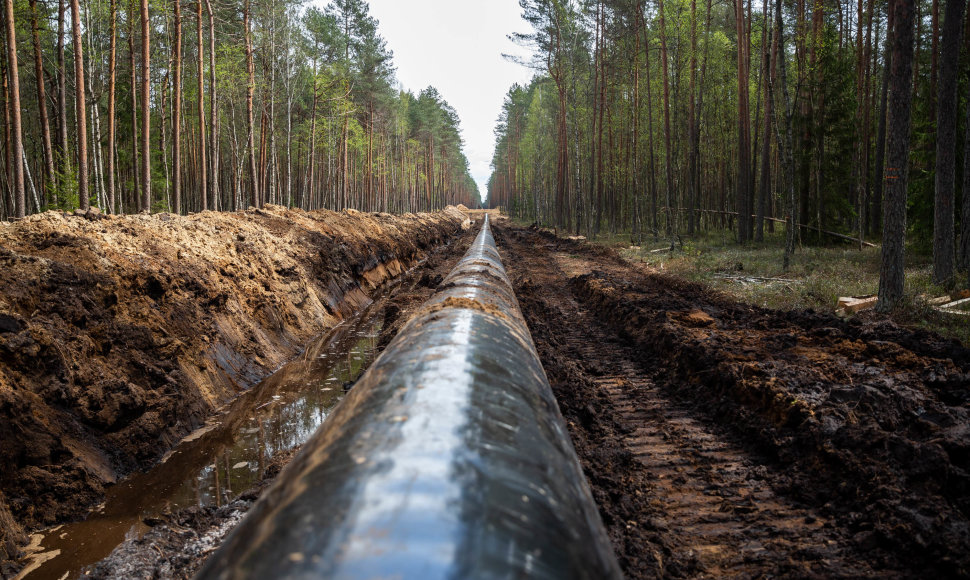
{"x":120,"y":335}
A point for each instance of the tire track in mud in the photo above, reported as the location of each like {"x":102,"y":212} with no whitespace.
{"x":691,"y":501}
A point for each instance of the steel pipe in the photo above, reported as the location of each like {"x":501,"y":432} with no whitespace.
{"x":448,"y":459}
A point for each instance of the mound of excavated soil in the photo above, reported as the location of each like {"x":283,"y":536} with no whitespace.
{"x":862,"y":422}
{"x":120,"y":335}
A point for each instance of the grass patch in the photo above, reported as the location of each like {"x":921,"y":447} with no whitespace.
{"x":818,"y":276}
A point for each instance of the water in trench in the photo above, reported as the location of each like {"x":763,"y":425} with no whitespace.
{"x":227,"y":456}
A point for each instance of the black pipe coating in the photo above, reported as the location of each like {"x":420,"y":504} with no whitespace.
{"x":448,"y":459}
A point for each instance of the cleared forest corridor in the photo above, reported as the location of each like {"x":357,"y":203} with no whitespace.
{"x":719,"y":439}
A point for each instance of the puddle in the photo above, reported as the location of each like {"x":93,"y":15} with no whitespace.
{"x":225,"y":457}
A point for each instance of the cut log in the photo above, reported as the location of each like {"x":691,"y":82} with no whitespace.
{"x":850,"y":304}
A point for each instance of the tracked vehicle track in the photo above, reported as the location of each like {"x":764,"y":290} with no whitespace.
{"x":708,"y":490}
{"x":692,"y":501}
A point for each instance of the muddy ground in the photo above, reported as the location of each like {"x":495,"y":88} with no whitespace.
{"x":722,"y":439}
{"x":120,"y":335}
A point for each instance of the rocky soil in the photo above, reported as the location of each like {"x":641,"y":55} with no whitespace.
{"x":121,"y":334}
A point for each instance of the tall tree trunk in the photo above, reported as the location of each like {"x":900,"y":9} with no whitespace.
{"x":250,"y":88}
{"x":113,"y":50}
{"x":80,"y":108}
{"x":135,"y":167}
{"x":964,"y":256}
{"x":146,"y":111}
{"x":877,"y":194}
{"x":783,"y":121}
{"x":62,"y":91}
{"x":946,"y":145}
{"x":177,"y":109}
{"x":891,"y":273}
{"x":16,"y":154}
{"x":45,"y":127}
{"x":744,"y":129}
{"x":692,"y":123}
{"x":200,"y":63}
{"x":769,"y":55}
{"x":666,"y":89}
{"x":213,"y":107}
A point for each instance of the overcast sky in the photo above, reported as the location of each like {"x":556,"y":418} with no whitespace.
{"x":457,"y":46}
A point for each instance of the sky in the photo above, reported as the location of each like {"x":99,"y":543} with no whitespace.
{"x":457,"y":46}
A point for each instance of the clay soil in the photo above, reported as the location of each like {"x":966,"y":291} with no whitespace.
{"x":120,"y":335}
{"x":724,"y":440}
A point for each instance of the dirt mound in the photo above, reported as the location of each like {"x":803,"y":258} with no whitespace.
{"x":178,"y":543}
{"x":869,"y":419}
{"x":119,"y":335}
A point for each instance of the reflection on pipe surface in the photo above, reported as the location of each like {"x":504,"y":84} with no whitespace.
{"x":448,"y":459}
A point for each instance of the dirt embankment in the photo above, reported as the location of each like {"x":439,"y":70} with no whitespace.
{"x":119,"y":335}
{"x":861,"y":422}
{"x":179,"y":543}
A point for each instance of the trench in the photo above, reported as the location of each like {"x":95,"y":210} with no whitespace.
{"x":228,"y":455}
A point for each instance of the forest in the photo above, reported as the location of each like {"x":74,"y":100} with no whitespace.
{"x":219,"y":105}
{"x":831,"y":120}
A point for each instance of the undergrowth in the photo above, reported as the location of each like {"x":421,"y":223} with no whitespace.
{"x":817,"y":277}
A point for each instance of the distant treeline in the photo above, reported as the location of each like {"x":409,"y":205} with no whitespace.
{"x":215,"y":104}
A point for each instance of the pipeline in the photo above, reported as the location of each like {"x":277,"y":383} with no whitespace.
{"x":448,"y":459}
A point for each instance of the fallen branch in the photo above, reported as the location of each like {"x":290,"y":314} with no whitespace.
{"x":756,"y":279}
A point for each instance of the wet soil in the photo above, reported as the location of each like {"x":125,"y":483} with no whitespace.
{"x":119,"y":335}
{"x":723,"y":440}
{"x":177,"y":542}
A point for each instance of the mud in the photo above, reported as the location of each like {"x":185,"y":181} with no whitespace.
{"x":726,"y":440}
{"x":178,"y":543}
{"x":120,"y":335}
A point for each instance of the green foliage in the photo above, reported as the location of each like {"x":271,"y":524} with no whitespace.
{"x":63,"y":193}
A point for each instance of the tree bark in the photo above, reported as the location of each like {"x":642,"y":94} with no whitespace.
{"x":250,"y":88}
{"x":135,"y":167}
{"x":213,"y":108}
{"x":16,"y":155}
{"x":112,"y":207}
{"x":62,"y":91}
{"x":692,"y":123}
{"x":946,"y":145}
{"x":200,"y":62}
{"x":783,"y":120}
{"x":891,"y":273}
{"x":80,"y":108}
{"x":666,"y":88}
{"x":744,"y":129}
{"x":877,"y":193}
{"x":146,"y":161}
{"x":45,"y":127}
{"x":964,"y":256}
{"x":177,"y":109}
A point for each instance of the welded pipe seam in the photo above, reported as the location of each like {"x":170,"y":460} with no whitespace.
{"x":448,"y":459}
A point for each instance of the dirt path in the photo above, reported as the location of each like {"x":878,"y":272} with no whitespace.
{"x":697,"y":480}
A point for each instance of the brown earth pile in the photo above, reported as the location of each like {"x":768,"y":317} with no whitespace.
{"x":868,"y":419}
{"x":862,"y":423}
{"x":179,"y":543}
{"x":120,"y":335}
